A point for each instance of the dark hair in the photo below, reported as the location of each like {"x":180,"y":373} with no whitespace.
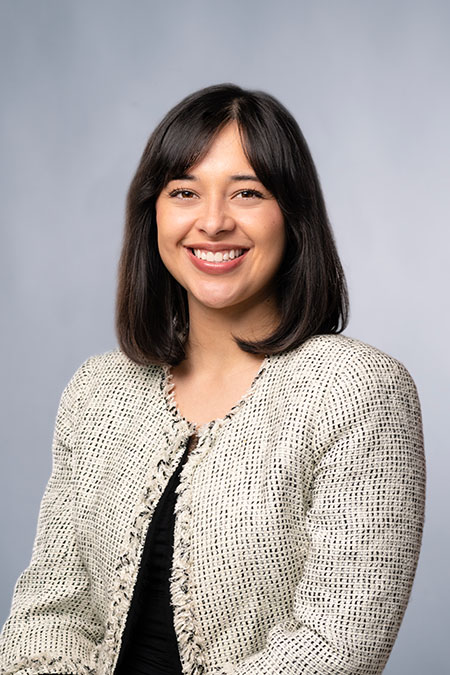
{"x":151,"y":307}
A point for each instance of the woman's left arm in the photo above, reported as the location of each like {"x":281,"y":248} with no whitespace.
{"x":364,"y":525}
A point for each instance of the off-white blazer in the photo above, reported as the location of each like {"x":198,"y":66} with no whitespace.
{"x":299,"y":518}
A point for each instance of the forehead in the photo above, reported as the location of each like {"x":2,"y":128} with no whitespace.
{"x":225,"y":153}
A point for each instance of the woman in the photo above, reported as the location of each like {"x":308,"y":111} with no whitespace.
{"x":285,"y":460}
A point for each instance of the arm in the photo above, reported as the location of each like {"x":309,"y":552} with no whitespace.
{"x":364,"y":527}
{"x":51,"y":627}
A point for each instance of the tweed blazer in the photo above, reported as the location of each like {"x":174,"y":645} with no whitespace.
{"x":299,"y":518}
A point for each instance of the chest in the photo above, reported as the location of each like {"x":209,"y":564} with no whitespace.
{"x":201,"y":401}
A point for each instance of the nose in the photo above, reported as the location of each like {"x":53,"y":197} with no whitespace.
{"x":215,"y":218}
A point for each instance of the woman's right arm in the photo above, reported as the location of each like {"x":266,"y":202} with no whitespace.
{"x":51,"y":627}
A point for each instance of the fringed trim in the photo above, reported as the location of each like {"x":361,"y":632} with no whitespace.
{"x":168,"y":385}
{"x":185,"y":620}
{"x":187,"y":629}
{"x":52,"y":664}
{"x":129,"y":560}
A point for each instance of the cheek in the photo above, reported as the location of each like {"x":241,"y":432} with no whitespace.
{"x":164,"y":240}
{"x":273,"y":234}
{"x":163,"y":227}
{"x":171,"y":226}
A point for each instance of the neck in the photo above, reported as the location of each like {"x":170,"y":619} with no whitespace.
{"x":210,"y":346}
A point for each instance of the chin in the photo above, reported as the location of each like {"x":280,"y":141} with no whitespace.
{"x":217,"y":302}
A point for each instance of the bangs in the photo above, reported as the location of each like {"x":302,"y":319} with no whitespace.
{"x":185,"y":142}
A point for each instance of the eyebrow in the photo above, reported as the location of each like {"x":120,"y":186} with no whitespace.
{"x":235,"y":177}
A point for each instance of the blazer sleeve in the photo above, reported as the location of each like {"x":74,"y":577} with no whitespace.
{"x":364,"y":525}
{"x":51,"y":627}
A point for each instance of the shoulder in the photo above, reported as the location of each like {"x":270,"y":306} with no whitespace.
{"x":362,"y":382}
{"x":340,"y":356}
{"x":347,"y":371}
{"x":109,"y":369}
{"x":115,"y":361}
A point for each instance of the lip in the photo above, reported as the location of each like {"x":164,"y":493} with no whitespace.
{"x":216,"y":247}
{"x":218,"y":267}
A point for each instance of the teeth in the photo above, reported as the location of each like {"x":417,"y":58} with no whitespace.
{"x":220,"y":256}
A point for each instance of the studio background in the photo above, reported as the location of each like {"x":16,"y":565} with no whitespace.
{"x":83,"y":83}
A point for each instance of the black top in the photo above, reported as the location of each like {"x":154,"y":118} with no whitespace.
{"x":149,"y":645}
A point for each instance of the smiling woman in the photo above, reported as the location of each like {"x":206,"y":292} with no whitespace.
{"x":223,"y":167}
{"x":237,"y":488}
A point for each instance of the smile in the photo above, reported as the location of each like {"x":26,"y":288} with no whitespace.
{"x":219,"y":262}
{"x":219,"y":256}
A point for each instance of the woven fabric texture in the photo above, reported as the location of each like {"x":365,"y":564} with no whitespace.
{"x":299,"y":518}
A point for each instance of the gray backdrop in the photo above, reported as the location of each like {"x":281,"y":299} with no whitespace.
{"x":83,"y":83}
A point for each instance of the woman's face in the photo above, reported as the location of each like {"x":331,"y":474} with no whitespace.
{"x":222,"y":211}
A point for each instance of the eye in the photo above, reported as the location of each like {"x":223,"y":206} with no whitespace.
{"x":181,"y":193}
{"x":185,"y":194}
{"x":251,"y":194}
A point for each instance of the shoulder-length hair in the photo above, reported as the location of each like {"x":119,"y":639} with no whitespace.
{"x":152,"y":316}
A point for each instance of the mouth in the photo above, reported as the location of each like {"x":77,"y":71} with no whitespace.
{"x":220,"y":256}
{"x":219,"y":262}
